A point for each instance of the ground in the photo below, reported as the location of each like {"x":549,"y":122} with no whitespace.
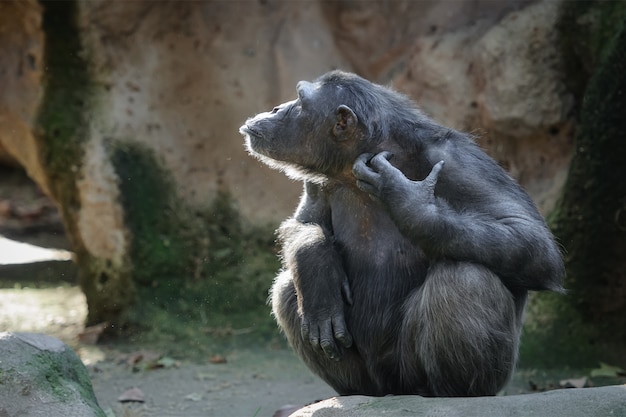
{"x":237,"y":379}
{"x":225,"y":373}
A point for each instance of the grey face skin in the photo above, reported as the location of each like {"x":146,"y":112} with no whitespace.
{"x":407,"y":264}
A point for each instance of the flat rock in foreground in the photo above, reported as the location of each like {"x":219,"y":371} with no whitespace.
{"x":578,"y":402}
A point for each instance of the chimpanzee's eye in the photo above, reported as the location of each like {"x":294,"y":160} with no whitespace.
{"x":275,"y":110}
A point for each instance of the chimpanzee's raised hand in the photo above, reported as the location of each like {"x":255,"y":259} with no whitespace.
{"x":376,"y":176}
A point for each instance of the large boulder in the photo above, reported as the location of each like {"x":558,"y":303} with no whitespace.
{"x":40,"y":376}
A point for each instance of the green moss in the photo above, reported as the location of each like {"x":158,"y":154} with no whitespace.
{"x":588,"y":324}
{"x":554,"y":335}
{"x":161,"y":241}
{"x":64,"y":110}
{"x":594,"y":189}
{"x":64,"y":376}
{"x":200,"y":268}
{"x":584,"y":29}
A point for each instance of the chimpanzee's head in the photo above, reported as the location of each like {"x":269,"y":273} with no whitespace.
{"x":319,"y":134}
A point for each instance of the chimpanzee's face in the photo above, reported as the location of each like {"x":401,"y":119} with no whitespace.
{"x":302,"y":133}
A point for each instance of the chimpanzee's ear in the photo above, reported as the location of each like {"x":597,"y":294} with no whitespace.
{"x":346,"y":123}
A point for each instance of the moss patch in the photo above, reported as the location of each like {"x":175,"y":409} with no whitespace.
{"x":588,"y":324}
{"x":554,"y":336}
{"x":64,"y":376}
{"x":63,"y":114}
{"x":161,"y":242}
{"x":196,"y":271}
{"x":585,"y":28}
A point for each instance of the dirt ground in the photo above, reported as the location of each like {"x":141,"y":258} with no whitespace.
{"x":241,"y":380}
{"x":246,"y":381}
{"x":251,"y":381}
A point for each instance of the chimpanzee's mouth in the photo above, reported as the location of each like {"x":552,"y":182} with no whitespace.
{"x":247,"y":130}
{"x":253,"y":139}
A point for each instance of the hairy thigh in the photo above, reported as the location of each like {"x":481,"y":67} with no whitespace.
{"x":462,"y":326}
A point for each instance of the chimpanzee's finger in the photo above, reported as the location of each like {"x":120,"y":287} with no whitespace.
{"x":367,"y":187}
{"x":381,"y":163}
{"x":431,"y":180}
{"x":327,"y":340}
{"x":341,"y":332}
{"x":360,"y":169}
{"x":305,"y":329}
{"x":364,"y":158}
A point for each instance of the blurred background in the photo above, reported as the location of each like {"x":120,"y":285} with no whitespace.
{"x":119,"y":145}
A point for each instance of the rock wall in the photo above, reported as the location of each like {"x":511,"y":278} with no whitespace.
{"x":499,"y":76}
{"x":168,"y":83}
{"x":181,"y":77}
{"x":21,"y":70}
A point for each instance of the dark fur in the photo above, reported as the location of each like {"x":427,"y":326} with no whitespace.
{"x":408,"y":278}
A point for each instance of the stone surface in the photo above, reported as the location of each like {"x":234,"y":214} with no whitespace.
{"x":181,"y":78}
{"x":498,"y":75}
{"x":171,"y":82}
{"x":21,"y":72}
{"x":41,"y":376}
{"x":575,"y":402}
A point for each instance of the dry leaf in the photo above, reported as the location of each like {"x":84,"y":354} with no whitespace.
{"x":194,"y":396}
{"x":607,"y":370}
{"x":91,"y":334}
{"x":145,"y":356}
{"x":216,"y":359}
{"x":167,"y":362}
{"x":574,"y":382}
{"x":133,"y":394}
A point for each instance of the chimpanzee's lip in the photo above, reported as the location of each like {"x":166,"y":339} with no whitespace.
{"x":247,"y":130}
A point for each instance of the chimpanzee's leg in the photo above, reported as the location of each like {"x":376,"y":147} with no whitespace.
{"x":347,"y":375}
{"x":462,"y":329}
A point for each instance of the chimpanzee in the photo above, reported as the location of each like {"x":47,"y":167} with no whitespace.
{"x":407,"y":264}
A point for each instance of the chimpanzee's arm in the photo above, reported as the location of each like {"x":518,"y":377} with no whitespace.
{"x":494,"y":224}
{"x":321,"y":283}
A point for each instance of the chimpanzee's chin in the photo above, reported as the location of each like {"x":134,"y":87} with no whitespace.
{"x":257,"y":147}
{"x":255,"y":143}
